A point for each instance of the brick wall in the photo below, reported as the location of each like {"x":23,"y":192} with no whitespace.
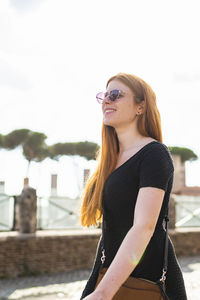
{"x":66,"y":250}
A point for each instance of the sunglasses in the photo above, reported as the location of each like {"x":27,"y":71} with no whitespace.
{"x":112,"y":95}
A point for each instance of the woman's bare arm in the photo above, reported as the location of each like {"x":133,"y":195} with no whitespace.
{"x":147,"y":209}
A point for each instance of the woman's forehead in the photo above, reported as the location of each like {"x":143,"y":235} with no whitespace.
{"x":116,"y":84}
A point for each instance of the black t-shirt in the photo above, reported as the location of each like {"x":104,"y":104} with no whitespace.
{"x":151,"y":166}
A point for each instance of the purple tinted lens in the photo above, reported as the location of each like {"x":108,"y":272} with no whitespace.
{"x":114,"y":94}
{"x":100,"y":96}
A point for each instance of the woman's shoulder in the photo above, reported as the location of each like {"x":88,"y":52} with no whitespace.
{"x":157,"y":149}
{"x":157,"y":145}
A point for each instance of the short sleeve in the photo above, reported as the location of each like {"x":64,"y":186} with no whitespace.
{"x":156,"y":167}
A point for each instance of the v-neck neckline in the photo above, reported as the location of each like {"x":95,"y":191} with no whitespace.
{"x":133,"y":156}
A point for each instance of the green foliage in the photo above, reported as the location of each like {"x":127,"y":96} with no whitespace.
{"x":35,"y":148}
{"x":85,"y":149}
{"x":14,"y":138}
{"x":185,"y":153}
{"x":1,"y":141}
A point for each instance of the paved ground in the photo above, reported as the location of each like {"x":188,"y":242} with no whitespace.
{"x":69,"y":285}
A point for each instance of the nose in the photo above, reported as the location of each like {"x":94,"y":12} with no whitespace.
{"x":106,"y":100}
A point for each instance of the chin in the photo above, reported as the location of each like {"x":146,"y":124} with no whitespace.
{"x":108,"y":123}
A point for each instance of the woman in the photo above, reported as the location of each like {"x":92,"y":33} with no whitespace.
{"x":130,"y":189}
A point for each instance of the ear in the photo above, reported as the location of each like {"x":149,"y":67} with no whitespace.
{"x":141,"y":106}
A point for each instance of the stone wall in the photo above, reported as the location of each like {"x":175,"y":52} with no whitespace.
{"x":66,"y":250}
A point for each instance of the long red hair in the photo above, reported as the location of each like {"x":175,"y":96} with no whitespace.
{"x":149,"y":125}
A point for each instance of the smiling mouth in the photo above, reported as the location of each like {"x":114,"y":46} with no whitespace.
{"x":109,"y":112}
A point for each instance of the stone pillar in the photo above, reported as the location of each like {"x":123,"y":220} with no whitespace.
{"x":179,"y":173}
{"x":54,"y":184}
{"x":27,"y":210}
{"x":172,"y":212}
{"x":26,"y":181}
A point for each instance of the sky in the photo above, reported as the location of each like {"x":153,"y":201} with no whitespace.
{"x":56,"y":55}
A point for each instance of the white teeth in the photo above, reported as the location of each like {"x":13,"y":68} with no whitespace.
{"x":109,"y":110}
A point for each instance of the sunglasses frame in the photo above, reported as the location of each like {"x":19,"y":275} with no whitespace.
{"x":108,"y":95}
